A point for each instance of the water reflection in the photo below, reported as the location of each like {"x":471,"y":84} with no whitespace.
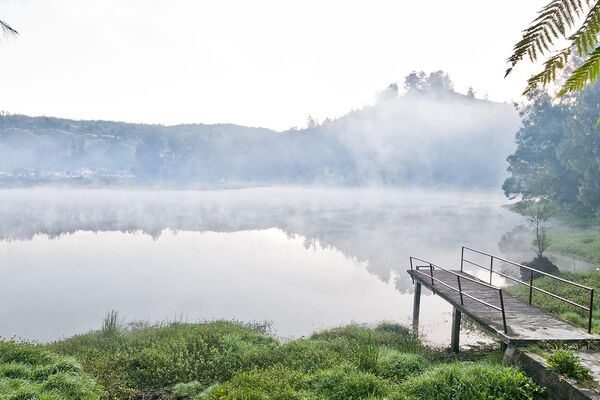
{"x":302,"y":258}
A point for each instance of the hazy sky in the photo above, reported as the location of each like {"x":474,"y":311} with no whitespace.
{"x":259,"y":63}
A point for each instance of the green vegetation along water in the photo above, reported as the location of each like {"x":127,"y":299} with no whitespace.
{"x":582,"y":245}
{"x":227,"y":360}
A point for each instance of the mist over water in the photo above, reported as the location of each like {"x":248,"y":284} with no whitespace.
{"x":303,"y":258}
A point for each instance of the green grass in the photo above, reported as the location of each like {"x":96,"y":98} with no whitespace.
{"x":28,"y":371}
{"x":155,"y":358}
{"x":562,"y":309}
{"x":227,"y":360}
{"x":585,"y":246}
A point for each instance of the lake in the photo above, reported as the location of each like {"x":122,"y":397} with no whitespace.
{"x":303,"y":259}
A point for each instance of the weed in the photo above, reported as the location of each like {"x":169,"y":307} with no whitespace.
{"x":567,"y":363}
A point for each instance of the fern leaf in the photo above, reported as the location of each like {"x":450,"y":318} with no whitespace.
{"x":586,"y":73}
{"x":552,"y":22}
{"x":6,"y":28}
{"x":584,"y":40}
{"x":586,"y":37}
{"x":548,"y":74}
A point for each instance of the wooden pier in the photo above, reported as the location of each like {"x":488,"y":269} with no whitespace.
{"x":514,"y":321}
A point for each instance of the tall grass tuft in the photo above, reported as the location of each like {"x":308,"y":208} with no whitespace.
{"x":112,"y":326}
{"x":367,"y":352}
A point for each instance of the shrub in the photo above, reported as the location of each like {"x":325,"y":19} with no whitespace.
{"x":28,"y":371}
{"x":386,"y":334}
{"x":277,"y":383}
{"x":188,"y":390}
{"x":346,"y":384}
{"x":397,"y":366}
{"x":471,"y":381}
{"x":568,"y":364}
{"x":307,"y":355}
{"x":360,"y":345}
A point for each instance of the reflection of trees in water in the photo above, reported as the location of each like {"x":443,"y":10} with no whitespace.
{"x":379,"y":230}
{"x":517,"y":243}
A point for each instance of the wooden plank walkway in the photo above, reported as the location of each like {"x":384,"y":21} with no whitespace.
{"x":525,"y":323}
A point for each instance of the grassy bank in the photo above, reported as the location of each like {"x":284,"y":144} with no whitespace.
{"x":225,"y":360}
{"x":584,"y":245}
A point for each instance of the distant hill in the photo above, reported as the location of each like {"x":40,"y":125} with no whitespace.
{"x":423,"y":138}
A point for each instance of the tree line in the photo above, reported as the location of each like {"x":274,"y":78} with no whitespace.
{"x":558,"y":151}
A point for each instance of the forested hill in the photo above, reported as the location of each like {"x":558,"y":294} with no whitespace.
{"x":428,"y":136}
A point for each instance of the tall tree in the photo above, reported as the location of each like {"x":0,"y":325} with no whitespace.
{"x":561,"y":139}
{"x":543,"y":129}
{"x":415,"y":81}
{"x":389,"y":93}
{"x":579,"y":150}
{"x":537,"y":208}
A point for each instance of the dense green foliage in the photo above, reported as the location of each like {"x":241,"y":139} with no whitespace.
{"x":559,"y":142}
{"x":29,"y":371}
{"x":578,"y":295}
{"x":568,"y":364}
{"x":225,"y":360}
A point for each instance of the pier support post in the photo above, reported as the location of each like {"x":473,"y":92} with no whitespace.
{"x":455,"y":338}
{"x":416,"y":308}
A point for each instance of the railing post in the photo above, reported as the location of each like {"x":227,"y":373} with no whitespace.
{"x":503,"y":313}
{"x":591,"y":309}
{"x":530,"y":285}
{"x":431,"y":272}
{"x":462,"y":258}
{"x":491,"y":267}
{"x":411,"y":269}
{"x":460,"y":291}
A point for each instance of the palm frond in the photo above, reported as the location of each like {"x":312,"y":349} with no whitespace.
{"x":7,"y":29}
{"x":552,"y":23}
{"x":587,"y":72}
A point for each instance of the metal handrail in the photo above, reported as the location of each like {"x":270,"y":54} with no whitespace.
{"x":530,"y":285}
{"x":453,"y":273}
{"x":526,"y":267}
{"x":431,"y":266}
{"x":533,"y":287}
{"x":459,"y":290}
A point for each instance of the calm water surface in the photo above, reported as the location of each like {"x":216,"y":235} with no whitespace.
{"x":302,"y":258}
